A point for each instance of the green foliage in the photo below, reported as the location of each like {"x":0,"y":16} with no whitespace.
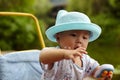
{"x":17,"y":5}
{"x":115,"y":4}
{"x":42,"y":7}
{"x":17,"y":34}
{"x":79,"y":5}
{"x":110,"y":29}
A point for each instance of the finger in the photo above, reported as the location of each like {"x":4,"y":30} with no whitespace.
{"x":81,"y":48}
{"x":83,"y":51}
{"x":73,"y":59}
{"x":78,"y":54}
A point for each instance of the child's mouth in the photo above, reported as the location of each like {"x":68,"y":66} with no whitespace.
{"x":76,"y":47}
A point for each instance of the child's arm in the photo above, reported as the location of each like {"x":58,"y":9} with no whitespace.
{"x":51,"y":55}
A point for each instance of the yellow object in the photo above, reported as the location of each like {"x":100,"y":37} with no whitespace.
{"x":0,"y":52}
{"x":104,"y":73}
{"x":110,"y":72}
{"x":42,"y":44}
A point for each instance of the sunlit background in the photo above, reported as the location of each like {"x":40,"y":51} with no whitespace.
{"x":18,"y":33}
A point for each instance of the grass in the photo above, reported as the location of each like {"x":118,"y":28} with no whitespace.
{"x":107,"y":55}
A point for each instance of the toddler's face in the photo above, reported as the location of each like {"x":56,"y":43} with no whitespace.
{"x":73,"y":39}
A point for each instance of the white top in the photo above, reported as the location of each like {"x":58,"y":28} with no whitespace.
{"x":67,"y":70}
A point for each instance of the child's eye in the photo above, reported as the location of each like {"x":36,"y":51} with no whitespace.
{"x":85,"y":37}
{"x":73,"y":35}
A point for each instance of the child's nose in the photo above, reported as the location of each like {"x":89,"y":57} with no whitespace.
{"x":79,"y":40}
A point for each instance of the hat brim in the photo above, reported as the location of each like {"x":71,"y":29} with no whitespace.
{"x":93,"y":28}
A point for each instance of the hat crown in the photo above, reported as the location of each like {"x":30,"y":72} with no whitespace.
{"x":65,"y":17}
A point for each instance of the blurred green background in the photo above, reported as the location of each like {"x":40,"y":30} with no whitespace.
{"x":18,"y":33}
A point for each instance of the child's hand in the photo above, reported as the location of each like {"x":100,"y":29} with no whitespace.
{"x":105,"y":72}
{"x":71,"y":54}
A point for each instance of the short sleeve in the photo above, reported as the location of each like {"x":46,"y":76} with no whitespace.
{"x":90,"y":65}
{"x":49,"y":74}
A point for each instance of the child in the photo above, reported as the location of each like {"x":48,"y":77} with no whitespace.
{"x":70,"y":60}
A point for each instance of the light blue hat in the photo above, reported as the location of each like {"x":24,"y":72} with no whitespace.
{"x":66,"y":21}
